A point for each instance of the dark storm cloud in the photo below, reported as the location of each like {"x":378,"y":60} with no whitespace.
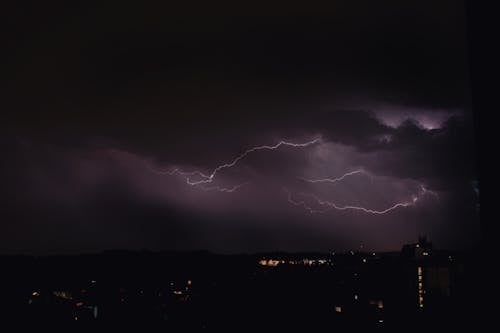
{"x":100,"y":67}
{"x":97,"y":92}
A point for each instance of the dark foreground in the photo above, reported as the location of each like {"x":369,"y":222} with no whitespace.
{"x":202,"y":292}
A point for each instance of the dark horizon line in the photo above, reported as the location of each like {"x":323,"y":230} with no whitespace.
{"x":213,"y":253}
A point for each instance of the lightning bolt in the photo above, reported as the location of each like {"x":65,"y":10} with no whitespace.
{"x":333,"y":180}
{"x":209,"y":178}
{"x":423,"y":190}
{"x":225,"y":189}
{"x":302,"y":203}
{"x":331,"y":205}
{"x":324,"y":204}
{"x":179,"y":172}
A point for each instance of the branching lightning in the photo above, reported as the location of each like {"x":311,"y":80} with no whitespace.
{"x":314,"y":204}
{"x":209,"y":178}
{"x":225,"y":189}
{"x":334,"y":180}
{"x":328,"y":205}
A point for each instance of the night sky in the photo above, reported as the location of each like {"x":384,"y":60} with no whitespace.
{"x":236,"y":129}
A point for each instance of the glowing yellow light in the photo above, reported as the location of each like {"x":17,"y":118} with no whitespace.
{"x":273,"y":262}
{"x":62,"y":294}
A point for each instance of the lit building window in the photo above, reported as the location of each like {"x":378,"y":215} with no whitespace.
{"x":420,"y":288}
{"x":62,"y":294}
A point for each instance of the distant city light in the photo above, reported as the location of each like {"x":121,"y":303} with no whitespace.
{"x":378,"y":303}
{"x":364,"y":260}
{"x":420,"y":287}
{"x":338,"y":309}
{"x":62,"y":294}
{"x":35,"y":293}
{"x":305,"y":261}
{"x":355,"y":297}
